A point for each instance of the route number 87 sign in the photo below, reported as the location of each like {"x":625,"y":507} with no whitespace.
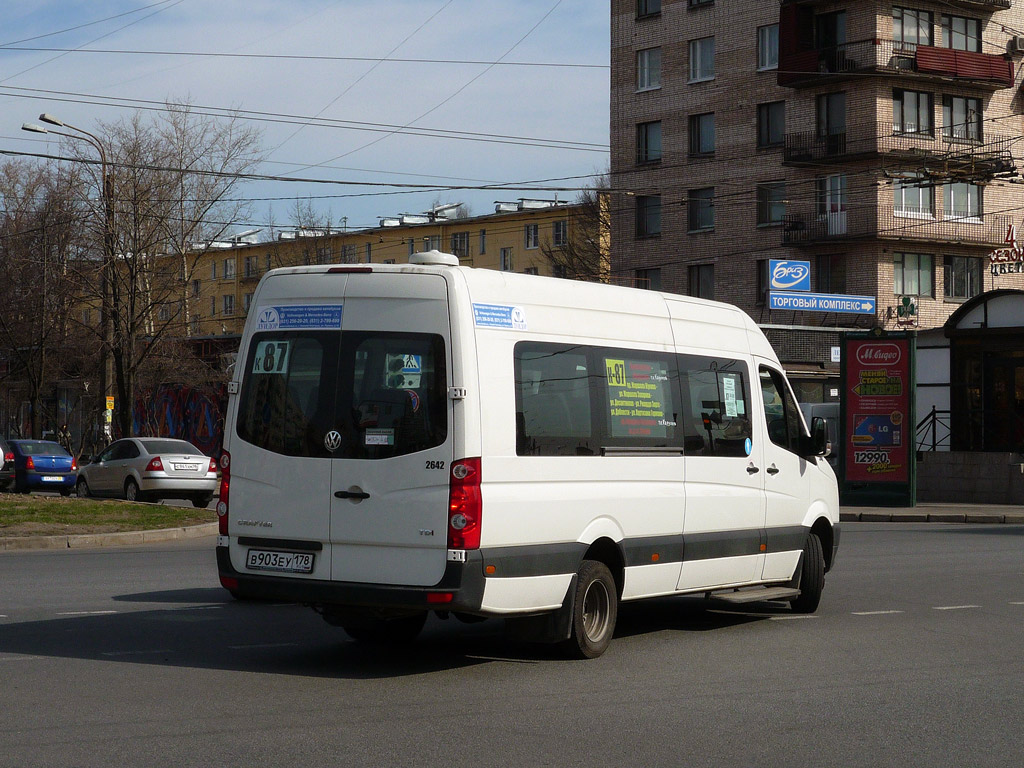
{"x":271,"y":357}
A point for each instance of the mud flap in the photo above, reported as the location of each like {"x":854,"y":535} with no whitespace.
{"x":552,"y":627}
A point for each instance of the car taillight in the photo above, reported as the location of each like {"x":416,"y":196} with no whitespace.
{"x":9,"y":456}
{"x":213,"y":465}
{"x":222,"y":502}
{"x":30,"y":463}
{"x":155,"y":465}
{"x":74,"y":463}
{"x":465,"y":505}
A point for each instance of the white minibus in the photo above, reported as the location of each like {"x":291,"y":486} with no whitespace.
{"x":407,"y":439}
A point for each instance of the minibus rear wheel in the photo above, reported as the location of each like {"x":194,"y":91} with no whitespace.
{"x":594,"y":611}
{"x":812,"y":576}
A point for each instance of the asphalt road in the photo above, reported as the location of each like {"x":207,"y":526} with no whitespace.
{"x":135,"y":657}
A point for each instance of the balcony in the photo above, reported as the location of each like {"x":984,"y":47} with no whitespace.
{"x":958,"y":154}
{"x":883,"y":223}
{"x":801,"y":68}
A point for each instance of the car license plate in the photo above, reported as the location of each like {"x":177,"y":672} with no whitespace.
{"x":186,"y":467}
{"x":52,"y":479}
{"x":288,"y":562}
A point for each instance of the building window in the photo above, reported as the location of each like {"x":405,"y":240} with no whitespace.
{"x":195,"y":326}
{"x":701,"y":280}
{"x":250,"y":266}
{"x":648,"y":215}
{"x":268,"y":261}
{"x":763,"y":283}
{"x":700,"y":209}
{"x":648,"y":142}
{"x":348,"y":254}
{"x":530,"y":237}
{"x":702,"y":135}
{"x":560,"y":233}
{"x":962,"y":277}
{"x":771,"y":124}
{"x":830,"y":201}
{"x":531,"y":271}
{"x":196,"y":287}
{"x":505,"y":260}
{"x":432,"y":243}
{"x":830,"y":273}
{"x":913,"y":274}
{"x":246,"y":302}
{"x":648,"y":69}
{"x":213,"y":270}
{"x":460,"y":244}
{"x":961,"y":118}
{"x":369,"y":252}
{"x":696,"y":3}
{"x":412,"y":246}
{"x":649,"y":279}
{"x":229,"y":269}
{"x":911,"y":27}
{"x":483,"y":241}
{"x":830,"y":29}
{"x":229,"y":304}
{"x":961,"y":33}
{"x":164,"y":314}
{"x":961,"y":200}
{"x":323,"y":254}
{"x":771,"y":202}
{"x":213,"y":306}
{"x":702,"y":59}
{"x":913,"y":196}
{"x":768,"y":47}
{"x":831,"y":115}
{"x":646,"y":8}
{"x":912,"y":112}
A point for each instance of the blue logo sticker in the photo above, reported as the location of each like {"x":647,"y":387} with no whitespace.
{"x":790,"y":275}
{"x":302,"y":316}
{"x":747,"y":446}
{"x":499,"y":316}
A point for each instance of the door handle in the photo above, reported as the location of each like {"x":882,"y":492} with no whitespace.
{"x":752,"y":470}
{"x":352,"y":495}
{"x":772,"y":470}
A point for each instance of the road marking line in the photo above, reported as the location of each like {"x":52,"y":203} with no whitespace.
{"x":86,"y":613}
{"x":791,"y":618}
{"x":953,"y":607}
{"x":262,"y":645}
{"x":136,"y":653}
{"x":874,"y":613}
{"x":1012,"y":602}
{"x":19,"y":658}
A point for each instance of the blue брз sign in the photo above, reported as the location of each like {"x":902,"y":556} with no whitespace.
{"x":821,"y":302}
{"x":786,"y":275}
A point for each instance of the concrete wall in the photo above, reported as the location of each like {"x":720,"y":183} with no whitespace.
{"x":971,"y":478}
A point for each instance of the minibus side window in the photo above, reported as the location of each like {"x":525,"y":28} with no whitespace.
{"x":553,"y":414}
{"x":638,"y":396}
{"x":780,"y":411}
{"x":716,"y":406}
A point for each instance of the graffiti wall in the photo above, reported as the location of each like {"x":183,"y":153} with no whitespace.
{"x":176,"y":410}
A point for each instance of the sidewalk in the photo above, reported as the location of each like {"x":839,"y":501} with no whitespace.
{"x":90,"y":540}
{"x":933,"y":512}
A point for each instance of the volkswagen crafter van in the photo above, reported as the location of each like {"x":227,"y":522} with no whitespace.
{"x":406,"y":439}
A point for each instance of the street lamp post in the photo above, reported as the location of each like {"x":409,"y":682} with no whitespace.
{"x":106,"y":274}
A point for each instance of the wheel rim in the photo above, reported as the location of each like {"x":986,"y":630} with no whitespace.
{"x":131,"y":492}
{"x":83,"y":489}
{"x":595,"y":611}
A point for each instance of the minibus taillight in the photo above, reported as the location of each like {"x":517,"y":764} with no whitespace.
{"x":222,"y":502}
{"x":465,"y":506}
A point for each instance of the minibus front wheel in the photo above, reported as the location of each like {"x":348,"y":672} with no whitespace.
{"x":595,"y":608}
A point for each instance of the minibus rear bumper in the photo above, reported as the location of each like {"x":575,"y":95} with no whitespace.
{"x":461,"y":588}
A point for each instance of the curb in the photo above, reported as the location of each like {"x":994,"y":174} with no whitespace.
{"x":1012,"y":518}
{"x":91,"y":540}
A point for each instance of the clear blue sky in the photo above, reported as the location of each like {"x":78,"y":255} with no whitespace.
{"x":545,"y":103}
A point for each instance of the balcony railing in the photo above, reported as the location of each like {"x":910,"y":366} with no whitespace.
{"x":990,"y":5}
{"x":961,"y":145}
{"x":886,"y":223}
{"x":878,"y":56}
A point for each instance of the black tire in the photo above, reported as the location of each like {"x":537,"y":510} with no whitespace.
{"x":202,"y":502}
{"x":65,"y":492}
{"x":82,"y":488}
{"x":398,"y":631}
{"x":131,"y":490}
{"x":812,"y":576}
{"x":595,"y":609}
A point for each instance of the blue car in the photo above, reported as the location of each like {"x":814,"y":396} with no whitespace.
{"x":43,"y":465}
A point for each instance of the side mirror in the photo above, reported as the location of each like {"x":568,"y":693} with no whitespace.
{"x":819,"y":444}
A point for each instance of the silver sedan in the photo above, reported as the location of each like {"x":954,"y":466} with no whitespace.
{"x":148,"y":469}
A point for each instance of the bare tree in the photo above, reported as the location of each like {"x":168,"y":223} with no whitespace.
{"x":40,"y":237}
{"x":584,"y":254}
{"x":165,"y":199}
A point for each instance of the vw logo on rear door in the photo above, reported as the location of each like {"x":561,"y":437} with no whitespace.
{"x":332,"y":440}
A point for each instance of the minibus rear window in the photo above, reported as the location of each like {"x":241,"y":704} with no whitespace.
{"x":385,"y":394}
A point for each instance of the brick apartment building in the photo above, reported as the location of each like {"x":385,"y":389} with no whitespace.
{"x":876,"y":140}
